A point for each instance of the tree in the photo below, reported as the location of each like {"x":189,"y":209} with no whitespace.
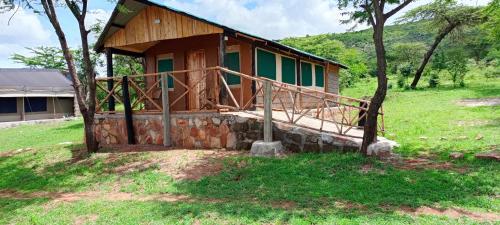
{"x":373,"y":12}
{"x":448,"y":16}
{"x":85,"y":98}
{"x":404,"y":54}
{"x":43,"y":57}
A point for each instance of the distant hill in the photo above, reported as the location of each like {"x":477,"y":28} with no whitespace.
{"x":471,"y":39}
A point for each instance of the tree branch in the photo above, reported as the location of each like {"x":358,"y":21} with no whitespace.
{"x":399,"y":7}
{"x":366,"y":6}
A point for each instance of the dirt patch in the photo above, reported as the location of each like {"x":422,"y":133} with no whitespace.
{"x":56,"y":197}
{"x":85,"y":219}
{"x":474,"y":102}
{"x":368,"y":168}
{"x":11,"y":153}
{"x":426,"y":164}
{"x":180,"y":164}
{"x":451,"y":212}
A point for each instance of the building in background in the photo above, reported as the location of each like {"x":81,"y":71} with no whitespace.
{"x":35,"y":94}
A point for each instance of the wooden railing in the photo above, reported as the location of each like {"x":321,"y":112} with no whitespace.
{"x":292,"y":104}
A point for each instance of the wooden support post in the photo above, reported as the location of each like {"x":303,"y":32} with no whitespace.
{"x":109,"y":73}
{"x":223,"y":93}
{"x":54,"y":106}
{"x":254,"y":73}
{"x":23,"y":111}
{"x":128,"y":111}
{"x":268,"y":112}
{"x":166,"y":110}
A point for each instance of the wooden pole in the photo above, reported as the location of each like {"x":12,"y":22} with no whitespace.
{"x":128,"y":111}
{"x":54,"y":106}
{"x":254,"y":73}
{"x":23,"y":111}
{"x":109,"y":73}
{"x":166,"y":111}
{"x":222,"y":53}
{"x":268,"y":112}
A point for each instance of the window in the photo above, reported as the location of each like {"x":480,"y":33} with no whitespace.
{"x":35,"y":104}
{"x":306,"y":74}
{"x":266,"y":64}
{"x":319,"y":75}
{"x":166,"y":65}
{"x":8,"y":105}
{"x":232,"y":62}
{"x":288,"y":70}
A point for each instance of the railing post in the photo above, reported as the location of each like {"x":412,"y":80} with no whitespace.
{"x":166,"y":110}
{"x":268,"y":112}
{"x":110,"y":82}
{"x":128,"y":111}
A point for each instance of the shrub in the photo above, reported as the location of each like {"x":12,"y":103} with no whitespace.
{"x":434,"y":79}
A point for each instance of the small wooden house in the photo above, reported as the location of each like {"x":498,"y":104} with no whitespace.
{"x":35,"y":94}
{"x":172,"y":40}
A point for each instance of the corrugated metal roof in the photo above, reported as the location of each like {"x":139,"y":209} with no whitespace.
{"x":135,"y":6}
{"x":36,"y":81}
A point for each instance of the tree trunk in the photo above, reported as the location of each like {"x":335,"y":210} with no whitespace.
{"x":430,"y":52}
{"x":87,"y":110}
{"x":370,"y":128}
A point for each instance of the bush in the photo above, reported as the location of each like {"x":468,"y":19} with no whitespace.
{"x":434,"y":79}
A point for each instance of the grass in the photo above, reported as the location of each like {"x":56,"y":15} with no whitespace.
{"x":299,"y":189}
{"x":428,"y":121}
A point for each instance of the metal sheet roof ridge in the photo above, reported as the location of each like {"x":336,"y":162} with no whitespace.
{"x":99,"y":43}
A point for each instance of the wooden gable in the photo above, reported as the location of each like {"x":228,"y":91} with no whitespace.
{"x":153,"y":24}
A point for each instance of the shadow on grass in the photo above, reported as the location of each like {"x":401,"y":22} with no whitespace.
{"x":313,"y":180}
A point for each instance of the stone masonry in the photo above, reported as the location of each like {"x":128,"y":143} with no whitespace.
{"x":215,"y":131}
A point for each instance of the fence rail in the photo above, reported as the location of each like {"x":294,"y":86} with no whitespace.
{"x":291,"y":104}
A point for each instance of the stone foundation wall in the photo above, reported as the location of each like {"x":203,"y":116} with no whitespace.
{"x":215,"y":131}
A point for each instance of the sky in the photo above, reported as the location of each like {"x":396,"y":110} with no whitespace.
{"x":272,"y":19}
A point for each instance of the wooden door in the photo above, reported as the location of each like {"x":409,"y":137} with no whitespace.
{"x":197,"y":96}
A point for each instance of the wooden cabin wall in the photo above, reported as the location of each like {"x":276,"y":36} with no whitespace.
{"x":155,"y":24}
{"x":332,"y":85}
{"x":180,"y":48}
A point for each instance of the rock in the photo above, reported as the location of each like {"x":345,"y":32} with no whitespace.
{"x":267,"y":149}
{"x":494,"y":155}
{"x":380,"y":149}
{"x":479,"y":137}
{"x":216,"y":120}
{"x":456,"y":155}
{"x":423,"y":138}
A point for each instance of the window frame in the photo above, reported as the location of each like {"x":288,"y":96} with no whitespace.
{"x":294,"y":70}
{"x":163,"y":57}
{"x":15,"y":108}
{"x":234,"y":49}
{"x":27,"y":101}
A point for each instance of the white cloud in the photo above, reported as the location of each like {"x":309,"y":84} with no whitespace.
{"x":270,"y":19}
{"x":279,"y":18}
{"x":24,"y":30}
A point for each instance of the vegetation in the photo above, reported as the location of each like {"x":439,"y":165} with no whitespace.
{"x":133,"y":188}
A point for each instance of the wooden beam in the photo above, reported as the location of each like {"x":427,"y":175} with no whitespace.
{"x":254,"y":73}
{"x":124,"y":52}
{"x":23,"y":111}
{"x":110,"y":82}
{"x":128,"y":111}
{"x":268,"y":112}
{"x":117,"y":25}
{"x":222,"y":53}
{"x":166,"y":111}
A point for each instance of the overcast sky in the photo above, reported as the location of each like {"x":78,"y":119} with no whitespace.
{"x":273,"y":19}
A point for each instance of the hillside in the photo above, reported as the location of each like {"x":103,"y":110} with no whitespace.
{"x":356,"y":50}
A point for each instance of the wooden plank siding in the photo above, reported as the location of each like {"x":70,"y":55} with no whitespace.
{"x":142,"y":29}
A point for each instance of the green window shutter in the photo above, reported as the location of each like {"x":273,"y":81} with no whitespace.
{"x":288,"y":70}
{"x":167,"y":65}
{"x":306,"y":73}
{"x":266,"y":64}
{"x":232,"y":62}
{"x":320,"y":76}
